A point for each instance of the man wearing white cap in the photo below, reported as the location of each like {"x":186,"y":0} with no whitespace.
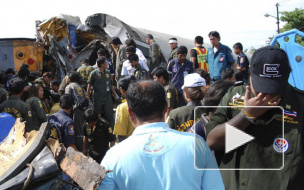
{"x":182,"y":118}
{"x":174,"y":47}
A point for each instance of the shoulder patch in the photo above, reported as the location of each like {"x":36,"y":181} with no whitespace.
{"x":242,"y":60}
{"x":40,"y":104}
{"x":110,"y":130}
{"x":71,"y":129}
{"x":29,"y":113}
{"x":169,"y":95}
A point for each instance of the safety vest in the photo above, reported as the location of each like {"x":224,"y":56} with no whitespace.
{"x":201,"y":58}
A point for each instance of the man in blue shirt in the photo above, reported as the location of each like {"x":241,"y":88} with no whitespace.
{"x":62,"y":125}
{"x":242,"y":61}
{"x":219,"y":57}
{"x":151,"y":157}
{"x":179,"y":68}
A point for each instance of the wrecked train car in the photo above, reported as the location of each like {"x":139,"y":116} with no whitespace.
{"x":17,"y":51}
{"x":67,"y":40}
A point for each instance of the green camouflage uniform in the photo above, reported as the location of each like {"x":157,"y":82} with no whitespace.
{"x":84,"y":72}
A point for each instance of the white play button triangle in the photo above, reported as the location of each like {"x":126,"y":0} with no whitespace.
{"x":235,"y":138}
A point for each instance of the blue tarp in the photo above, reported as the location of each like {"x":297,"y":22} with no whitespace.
{"x":7,"y":122}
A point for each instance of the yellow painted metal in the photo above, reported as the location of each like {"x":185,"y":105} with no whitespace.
{"x":24,"y":51}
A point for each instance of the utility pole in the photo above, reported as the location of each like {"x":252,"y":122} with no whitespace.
{"x":277,"y":17}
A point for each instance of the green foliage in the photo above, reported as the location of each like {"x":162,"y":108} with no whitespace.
{"x":294,"y":19}
{"x":252,"y":50}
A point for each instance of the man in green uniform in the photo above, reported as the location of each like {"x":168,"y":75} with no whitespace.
{"x":100,"y":80}
{"x":281,"y":154}
{"x":3,"y":93}
{"x":121,"y":55}
{"x":15,"y":106}
{"x":45,"y":81}
{"x":174,"y":47}
{"x":79,"y":95}
{"x":84,"y":70}
{"x":161,"y":76}
{"x":96,"y":135}
{"x":139,"y":72}
{"x":154,"y":52}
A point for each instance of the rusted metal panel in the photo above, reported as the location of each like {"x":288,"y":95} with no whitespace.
{"x":87,"y":173}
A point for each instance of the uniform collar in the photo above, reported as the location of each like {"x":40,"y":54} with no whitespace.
{"x":151,"y":128}
{"x":138,"y":67}
{"x":14,"y":97}
{"x":63,"y":112}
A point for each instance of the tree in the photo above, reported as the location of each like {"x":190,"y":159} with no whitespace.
{"x":294,"y":19}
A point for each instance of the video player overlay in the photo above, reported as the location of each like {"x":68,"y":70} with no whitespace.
{"x":241,"y":142}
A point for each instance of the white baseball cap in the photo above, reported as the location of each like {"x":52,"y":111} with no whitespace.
{"x":193,"y":80}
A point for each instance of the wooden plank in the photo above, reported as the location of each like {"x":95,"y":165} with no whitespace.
{"x":87,"y":173}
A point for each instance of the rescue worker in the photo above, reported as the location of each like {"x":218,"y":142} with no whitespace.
{"x":277,"y":153}
{"x":123,"y":127}
{"x":96,"y":135}
{"x":79,"y":95}
{"x":62,"y":125}
{"x":178,"y":69}
{"x":219,"y":57}
{"x":242,"y":61}
{"x":3,"y":93}
{"x":101,"y":82}
{"x":54,"y":85}
{"x":102,"y":53}
{"x":198,"y":54}
{"x":127,"y":69}
{"x":44,"y":81}
{"x":62,"y":85}
{"x":161,"y":76}
{"x":174,"y":47}
{"x":182,"y":118}
{"x":155,"y":53}
{"x":228,"y":74}
{"x":141,"y":57}
{"x":35,"y":104}
{"x":10,"y":74}
{"x":121,"y":55}
{"x":139,"y":72}
{"x":84,"y":70}
{"x":55,"y":103}
{"x":15,"y":106}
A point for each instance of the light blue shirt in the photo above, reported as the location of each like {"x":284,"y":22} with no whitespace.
{"x":157,"y":157}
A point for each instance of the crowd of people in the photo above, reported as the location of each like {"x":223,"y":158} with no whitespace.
{"x":137,"y":117}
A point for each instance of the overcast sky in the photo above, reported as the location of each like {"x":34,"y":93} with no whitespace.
{"x":236,"y":20}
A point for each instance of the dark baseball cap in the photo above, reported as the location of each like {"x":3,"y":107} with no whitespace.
{"x":270,"y":70}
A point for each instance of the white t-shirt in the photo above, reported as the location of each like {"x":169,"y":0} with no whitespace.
{"x":127,"y":69}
